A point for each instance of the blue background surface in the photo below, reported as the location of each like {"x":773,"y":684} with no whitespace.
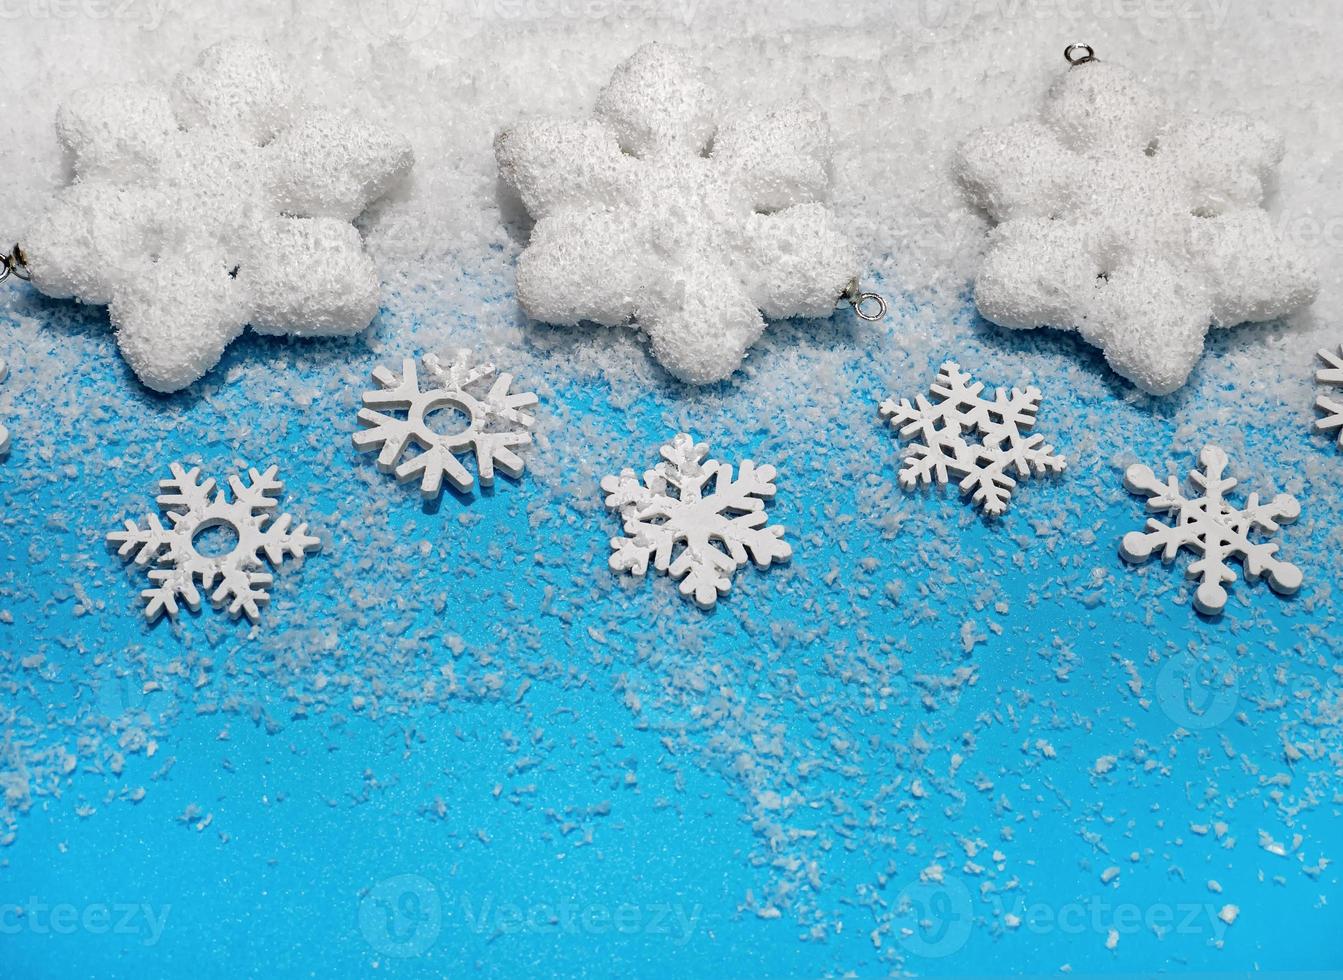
{"x":604,"y":780}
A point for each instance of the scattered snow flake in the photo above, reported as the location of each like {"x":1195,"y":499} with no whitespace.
{"x":1333,"y":375}
{"x":1131,"y":223}
{"x":217,"y":203}
{"x":718,"y":530}
{"x":1229,"y":913}
{"x":491,"y":422}
{"x":939,"y":448}
{"x":194,"y":507}
{"x":1213,"y":529}
{"x":670,"y":210}
{"x":4,"y":433}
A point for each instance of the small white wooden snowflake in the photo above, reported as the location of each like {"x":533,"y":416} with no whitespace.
{"x":985,"y":467}
{"x":717,"y":530}
{"x":193,"y":508}
{"x":1211,"y":528}
{"x":490,"y":421}
{"x":4,"y":432}
{"x":1333,"y":375}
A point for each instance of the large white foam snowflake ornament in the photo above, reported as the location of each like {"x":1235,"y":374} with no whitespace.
{"x":1211,"y":528}
{"x":460,"y":412}
{"x":1137,"y":226}
{"x":983,"y":442}
{"x":716,"y":530}
{"x":670,"y":211}
{"x":217,"y":203}
{"x":1332,"y":375}
{"x":193,"y":507}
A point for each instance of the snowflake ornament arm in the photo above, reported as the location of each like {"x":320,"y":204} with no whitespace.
{"x":1211,"y":528}
{"x":939,"y":449}
{"x":1333,"y":375}
{"x":717,"y":531}
{"x":496,"y":423}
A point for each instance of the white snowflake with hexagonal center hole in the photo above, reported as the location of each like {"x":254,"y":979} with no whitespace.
{"x":669,"y":211}
{"x":716,"y":530}
{"x":217,"y":203}
{"x":983,"y":442}
{"x":175,"y":556}
{"x":1211,"y":528}
{"x":490,"y":422}
{"x":1137,"y":226}
{"x":1333,"y":407}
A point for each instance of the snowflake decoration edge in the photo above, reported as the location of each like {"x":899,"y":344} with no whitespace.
{"x":1332,"y":374}
{"x":1196,"y":519}
{"x":704,"y":572}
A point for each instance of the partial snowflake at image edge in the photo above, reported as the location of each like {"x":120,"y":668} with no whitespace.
{"x":1213,"y":530}
{"x":496,"y":423}
{"x":193,"y":507}
{"x":670,"y":508}
{"x":984,"y":467}
{"x":1332,"y":375}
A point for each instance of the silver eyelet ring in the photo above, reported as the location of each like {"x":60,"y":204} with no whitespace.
{"x":14,"y":263}
{"x":1072,"y":56}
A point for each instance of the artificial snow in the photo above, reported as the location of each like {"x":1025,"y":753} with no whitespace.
{"x":1213,"y":529}
{"x":4,"y":432}
{"x":1333,"y":407}
{"x":1003,"y":449}
{"x":482,"y":415}
{"x":716,"y":530}
{"x":218,"y":202}
{"x":678,"y":212}
{"x":194,"y":507}
{"x":1131,"y":223}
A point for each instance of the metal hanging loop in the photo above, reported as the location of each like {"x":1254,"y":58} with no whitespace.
{"x":1079,"y":54}
{"x":867,"y":306}
{"x":14,"y":263}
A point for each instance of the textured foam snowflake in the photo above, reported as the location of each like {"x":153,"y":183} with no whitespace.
{"x":194,"y":507}
{"x":1137,"y":226}
{"x":987,"y":465}
{"x":669,"y":211}
{"x":214,"y":204}
{"x":4,"y":432}
{"x":489,"y":420}
{"x":1211,"y":528}
{"x":1333,"y":375}
{"x":716,"y":529}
